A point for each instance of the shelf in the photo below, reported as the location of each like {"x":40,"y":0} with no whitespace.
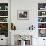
{"x":3,"y":10}
{"x":42,"y":16}
{"x":4,"y":19}
{"x":42,"y":19}
{"x":41,"y":10}
{"x":3,"y":16}
{"x":41,"y":28}
{"x":3,"y":22}
{"x":41,"y":22}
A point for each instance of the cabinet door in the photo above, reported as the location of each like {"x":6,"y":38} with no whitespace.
{"x":41,"y":41}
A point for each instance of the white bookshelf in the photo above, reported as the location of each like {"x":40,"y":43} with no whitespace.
{"x":4,"y":18}
{"x":42,"y":13}
{"x":42,"y":18}
{"x":3,"y":12}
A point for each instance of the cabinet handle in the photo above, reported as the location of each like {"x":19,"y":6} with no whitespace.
{"x":1,"y":39}
{"x":43,"y":39}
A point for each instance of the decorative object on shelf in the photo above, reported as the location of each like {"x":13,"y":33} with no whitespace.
{"x":4,"y":29}
{"x":42,"y":32}
{"x":43,"y":13}
{"x":6,"y":7}
{"x":41,"y":6}
{"x":3,"y":19}
{"x":41,"y":19}
{"x":23,"y":14}
{"x":42,"y":25}
{"x":13,"y":27}
{"x":45,"y":7}
{"x":4,"y":26}
{"x":31,"y":27}
{"x":0,"y":7}
{"x":3,"y":13}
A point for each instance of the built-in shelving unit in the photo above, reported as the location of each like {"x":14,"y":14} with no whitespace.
{"x":42,"y":19}
{"x":4,"y":19}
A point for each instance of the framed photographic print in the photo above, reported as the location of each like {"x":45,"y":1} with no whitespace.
{"x":22,"y":14}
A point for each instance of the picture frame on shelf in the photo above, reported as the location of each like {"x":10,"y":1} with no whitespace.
{"x":23,"y":14}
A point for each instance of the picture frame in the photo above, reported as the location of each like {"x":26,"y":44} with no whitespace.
{"x":23,"y":14}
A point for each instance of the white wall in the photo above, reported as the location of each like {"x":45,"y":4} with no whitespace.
{"x":32,"y":6}
{"x":24,"y":5}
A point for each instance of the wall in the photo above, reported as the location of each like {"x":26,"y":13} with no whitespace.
{"x":32,"y":6}
{"x":24,"y":5}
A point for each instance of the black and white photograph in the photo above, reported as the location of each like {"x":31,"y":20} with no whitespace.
{"x":23,"y":14}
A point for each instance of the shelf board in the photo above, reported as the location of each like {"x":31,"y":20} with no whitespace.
{"x":41,"y":10}
{"x":3,"y":10}
{"x":41,"y":22}
{"x":41,"y":28}
{"x":3,"y":16}
{"x":42,"y":16}
{"x":3,"y":22}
